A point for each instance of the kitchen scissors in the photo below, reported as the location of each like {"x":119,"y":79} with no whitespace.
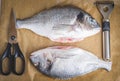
{"x":12,"y":51}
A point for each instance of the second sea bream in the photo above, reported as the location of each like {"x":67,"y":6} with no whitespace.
{"x":62,"y":24}
{"x":66,"y":62}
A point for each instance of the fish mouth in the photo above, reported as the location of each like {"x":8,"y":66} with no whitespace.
{"x":96,"y":30}
{"x":96,"y":27}
{"x":32,"y":59}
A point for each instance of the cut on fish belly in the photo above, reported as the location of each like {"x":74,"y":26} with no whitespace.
{"x":62,"y":24}
{"x":66,"y":62}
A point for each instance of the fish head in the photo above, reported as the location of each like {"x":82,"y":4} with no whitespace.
{"x":87,"y":23}
{"x":42,"y":60}
{"x":88,"y":20}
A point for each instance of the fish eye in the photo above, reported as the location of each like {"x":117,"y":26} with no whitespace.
{"x":49,"y":61}
{"x":91,"y":19}
{"x":38,"y":65}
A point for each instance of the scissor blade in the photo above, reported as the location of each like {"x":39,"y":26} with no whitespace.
{"x":12,"y":28}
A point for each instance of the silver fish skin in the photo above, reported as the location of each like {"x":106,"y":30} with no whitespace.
{"x":63,"y":24}
{"x":65,"y":62}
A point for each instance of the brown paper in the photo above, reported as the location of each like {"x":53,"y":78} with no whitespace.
{"x":29,"y":41}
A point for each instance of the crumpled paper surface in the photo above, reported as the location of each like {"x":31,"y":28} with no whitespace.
{"x":29,"y":41}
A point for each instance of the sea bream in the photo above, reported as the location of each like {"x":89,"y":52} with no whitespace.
{"x":62,"y":24}
{"x":65,"y":62}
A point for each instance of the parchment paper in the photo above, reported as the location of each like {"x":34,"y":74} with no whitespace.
{"x":29,"y":41}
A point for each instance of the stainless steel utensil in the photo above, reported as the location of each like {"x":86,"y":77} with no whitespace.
{"x":105,"y":8}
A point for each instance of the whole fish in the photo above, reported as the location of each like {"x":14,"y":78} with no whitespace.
{"x":62,"y":24}
{"x":65,"y":62}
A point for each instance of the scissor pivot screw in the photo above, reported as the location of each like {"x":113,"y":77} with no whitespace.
{"x":13,"y":37}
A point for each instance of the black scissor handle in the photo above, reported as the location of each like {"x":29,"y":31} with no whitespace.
{"x":18,"y":54}
{"x":6,"y":54}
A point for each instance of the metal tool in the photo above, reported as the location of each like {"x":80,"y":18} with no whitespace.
{"x":12,"y":51}
{"x":105,"y":8}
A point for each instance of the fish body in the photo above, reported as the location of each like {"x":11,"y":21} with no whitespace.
{"x":65,"y":62}
{"x":62,"y":24}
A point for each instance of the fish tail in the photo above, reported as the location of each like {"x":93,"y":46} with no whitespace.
{"x":18,"y":23}
{"x":107,"y":65}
